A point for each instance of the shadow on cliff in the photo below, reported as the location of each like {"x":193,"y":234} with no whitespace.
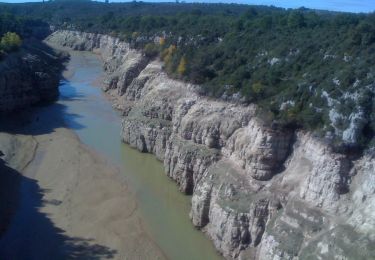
{"x":45,"y":117}
{"x":27,"y":233}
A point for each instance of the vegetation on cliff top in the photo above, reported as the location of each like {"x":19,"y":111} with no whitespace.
{"x":10,"y":42}
{"x":304,"y":68}
{"x":13,"y":28}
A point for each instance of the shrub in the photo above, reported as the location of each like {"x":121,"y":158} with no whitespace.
{"x":151,"y":50}
{"x":10,"y":42}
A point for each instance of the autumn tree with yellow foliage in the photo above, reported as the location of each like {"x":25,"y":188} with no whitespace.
{"x":181,"y":69}
{"x":167,"y":56}
{"x":161,"y":41}
{"x":168,"y":53}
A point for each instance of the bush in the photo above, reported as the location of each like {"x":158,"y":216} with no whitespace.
{"x":10,"y":42}
{"x":151,"y":50}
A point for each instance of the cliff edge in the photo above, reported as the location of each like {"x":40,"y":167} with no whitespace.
{"x":257,"y":192}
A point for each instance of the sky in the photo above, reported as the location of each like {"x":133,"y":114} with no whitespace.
{"x":333,"y":5}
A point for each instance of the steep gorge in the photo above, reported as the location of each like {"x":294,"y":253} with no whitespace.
{"x":257,"y":192}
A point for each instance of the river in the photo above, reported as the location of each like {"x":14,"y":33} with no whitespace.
{"x":163,"y":208}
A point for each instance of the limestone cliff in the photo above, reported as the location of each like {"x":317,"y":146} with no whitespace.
{"x":29,"y":76}
{"x":257,"y":192}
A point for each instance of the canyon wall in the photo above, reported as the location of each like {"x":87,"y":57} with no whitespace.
{"x":257,"y":192}
{"x":29,"y":76}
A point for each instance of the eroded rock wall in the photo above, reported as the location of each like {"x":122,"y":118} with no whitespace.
{"x":29,"y":76}
{"x":257,"y":192}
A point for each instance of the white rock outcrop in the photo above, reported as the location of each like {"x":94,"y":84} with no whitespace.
{"x":257,"y":192}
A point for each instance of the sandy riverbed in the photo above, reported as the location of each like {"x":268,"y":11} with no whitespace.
{"x":71,"y":203}
{"x":60,"y":200}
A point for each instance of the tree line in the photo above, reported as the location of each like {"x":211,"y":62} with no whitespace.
{"x":291,"y":62}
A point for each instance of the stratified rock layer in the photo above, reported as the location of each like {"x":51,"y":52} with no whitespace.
{"x":257,"y":192}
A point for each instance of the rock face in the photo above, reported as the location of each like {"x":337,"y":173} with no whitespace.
{"x":257,"y":192}
{"x":29,"y":76}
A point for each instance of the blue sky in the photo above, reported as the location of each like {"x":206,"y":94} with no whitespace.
{"x":336,"y":5}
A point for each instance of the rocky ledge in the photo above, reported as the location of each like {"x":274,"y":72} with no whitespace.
{"x":29,"y":76}
{"x":257,"y":192}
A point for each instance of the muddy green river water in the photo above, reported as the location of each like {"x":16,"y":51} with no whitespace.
{"x":164,"y":209}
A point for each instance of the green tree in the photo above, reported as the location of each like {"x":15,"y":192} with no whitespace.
{"x":296,"y":19}
{"x":151,"y":50}
{"x":10,"y":42}
{"x":258,"y":88}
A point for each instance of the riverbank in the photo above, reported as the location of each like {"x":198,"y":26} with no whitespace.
{"x":75,"y":202}
{"x":62,"y":200}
